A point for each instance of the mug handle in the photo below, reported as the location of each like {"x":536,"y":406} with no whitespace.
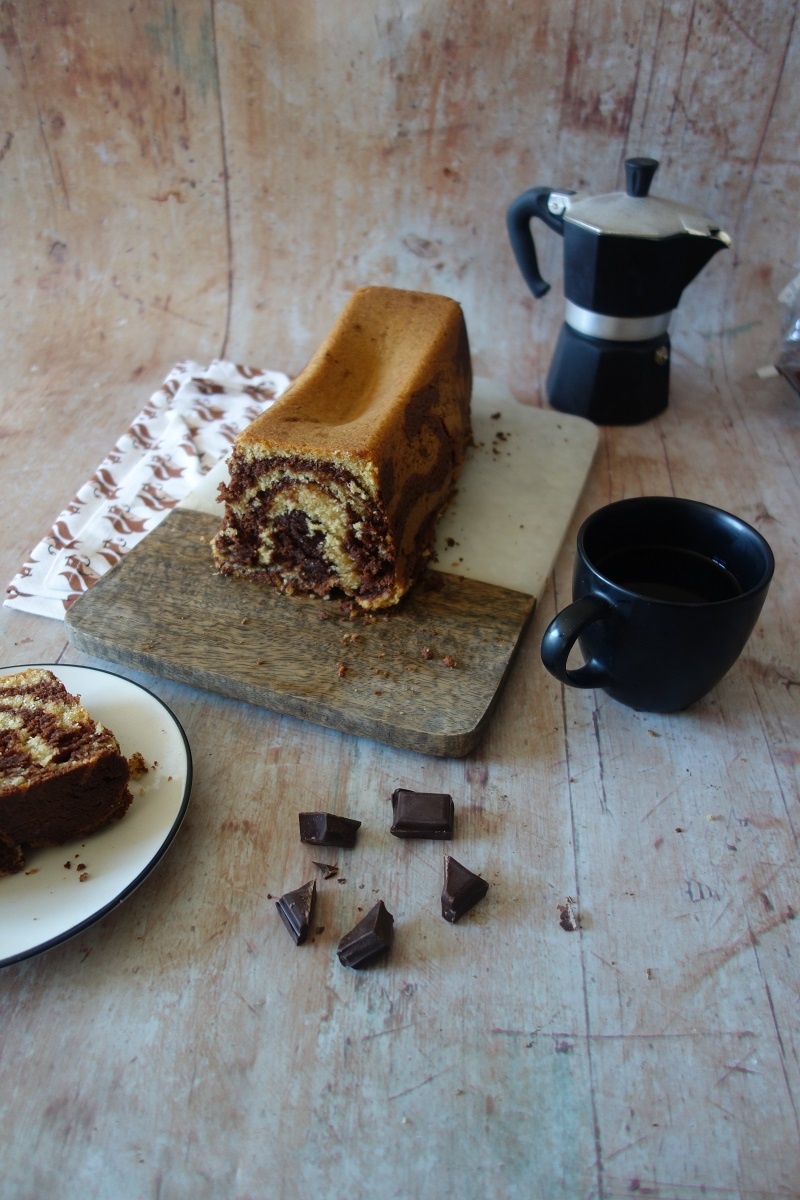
{"x":561,"y":635}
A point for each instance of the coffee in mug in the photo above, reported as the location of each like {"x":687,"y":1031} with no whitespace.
{"x":666,"y":593}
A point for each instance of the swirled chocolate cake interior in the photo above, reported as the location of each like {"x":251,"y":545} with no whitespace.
{"x":336,"y":489}
{"x":62,"y":774}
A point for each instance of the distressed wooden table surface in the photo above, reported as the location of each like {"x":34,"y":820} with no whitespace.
{"x":214,"y":179}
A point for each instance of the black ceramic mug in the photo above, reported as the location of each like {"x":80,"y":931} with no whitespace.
{"x":666,"y":593}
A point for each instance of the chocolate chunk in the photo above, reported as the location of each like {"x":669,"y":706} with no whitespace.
{"x":325,"y":829}
{"x":422,"y":814}
{"x":371,"y":937}
{"x":462,"y":889}
{"x":297,"y":908}
{"x":328,"y":869}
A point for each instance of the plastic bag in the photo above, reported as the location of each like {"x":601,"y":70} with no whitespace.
{"x":789,"y":355}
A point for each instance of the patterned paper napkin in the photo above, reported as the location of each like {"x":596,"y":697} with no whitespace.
{"x":185,"y":429}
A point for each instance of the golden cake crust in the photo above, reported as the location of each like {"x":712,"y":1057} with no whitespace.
{"x":386,"y":346}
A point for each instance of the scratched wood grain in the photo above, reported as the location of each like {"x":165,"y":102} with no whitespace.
{"x":424,"y":676}
{"x":204,"y":179}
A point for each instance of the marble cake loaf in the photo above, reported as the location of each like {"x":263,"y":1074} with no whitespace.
{"x":62,"y":774}
{"x":336,"y":489}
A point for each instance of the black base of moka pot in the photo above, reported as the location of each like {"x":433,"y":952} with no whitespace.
{"x":610,"y":383}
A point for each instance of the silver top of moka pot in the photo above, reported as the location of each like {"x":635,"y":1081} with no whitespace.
{"x":634,"y":213}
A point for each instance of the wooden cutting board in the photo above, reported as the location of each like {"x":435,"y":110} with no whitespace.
{"x":424,"y":676}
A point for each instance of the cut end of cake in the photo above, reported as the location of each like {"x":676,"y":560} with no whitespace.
{"x":62,"y":773}
{"x":336,"y":489}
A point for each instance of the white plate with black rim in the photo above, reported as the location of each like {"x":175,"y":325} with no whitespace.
{"x":63,"y":889}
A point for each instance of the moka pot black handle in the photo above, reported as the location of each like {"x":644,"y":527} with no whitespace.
{"x":533,"y":203}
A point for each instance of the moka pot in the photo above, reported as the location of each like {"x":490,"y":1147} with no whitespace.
{"x":627,"y":258}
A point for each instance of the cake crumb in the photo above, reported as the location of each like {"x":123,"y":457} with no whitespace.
{"x":137,"y":765}
{"x":449,"y":661}
{"x":568,"y":920}
{"x":341,"y":669}
{"x":83,"y":877}
{"x":426,"y":653}
{"x":329,"y":870}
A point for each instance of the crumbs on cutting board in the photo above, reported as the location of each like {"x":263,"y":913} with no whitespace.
{"x":361,"y":649}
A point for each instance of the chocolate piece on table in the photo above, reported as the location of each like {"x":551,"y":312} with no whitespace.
{"x":462,"y":889}
{"x":371,"y":937}
{"x":297,"y":909}
{"x":422,"y":814}
{"x":326,"y":829}
{"x":328,"y":869}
